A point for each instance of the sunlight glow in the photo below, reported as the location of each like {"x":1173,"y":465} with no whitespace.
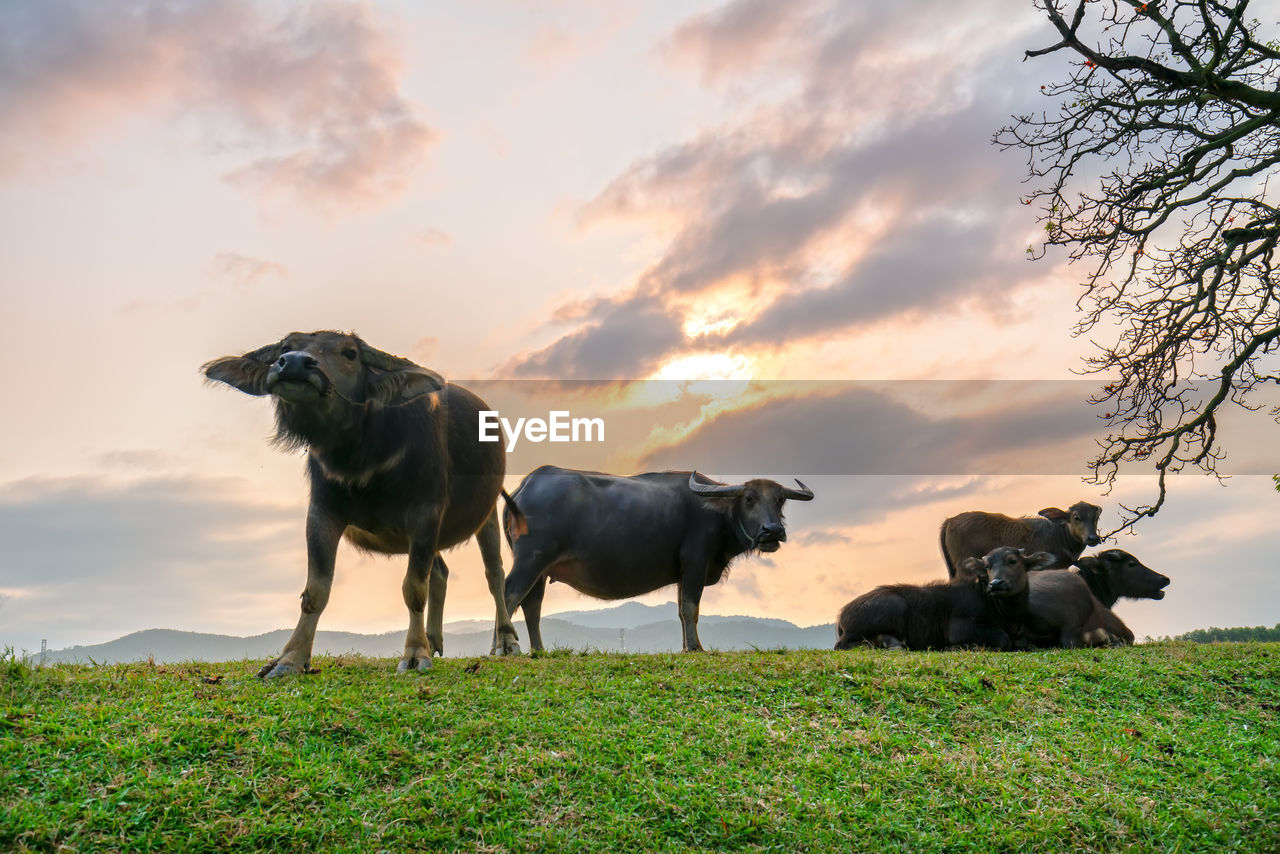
{"x":695,"y":327}
{"x":706,"y":366}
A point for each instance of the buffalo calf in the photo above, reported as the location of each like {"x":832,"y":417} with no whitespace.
{"x":1115,"y":574}
{"x":395,"y":466}
{"x":1062,"y":611}
{"x":1062,"y":533}
{"x":985,"y":608}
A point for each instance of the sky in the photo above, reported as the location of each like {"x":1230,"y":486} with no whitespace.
{"x":755,"y":238}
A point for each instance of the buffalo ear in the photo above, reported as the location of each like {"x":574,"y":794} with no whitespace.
{"x":1053,"y":514}
{"x":396,"y":380}
{"x":974,"y":566}
{"x":1039,"y":560}
{"x":397,"y":387}
{"x":248,"y":373}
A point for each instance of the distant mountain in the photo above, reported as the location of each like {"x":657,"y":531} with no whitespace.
{"x":631,"y":615}
{"x":629,"y":627}
{"x":628,"y":615}
{"x":168,"y":645}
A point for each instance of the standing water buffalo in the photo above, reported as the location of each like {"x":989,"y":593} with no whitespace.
{"x":394,"y":464}
{"x":985,"y":607}
{"x":613,"y":537}
{"x":1062,"y":534}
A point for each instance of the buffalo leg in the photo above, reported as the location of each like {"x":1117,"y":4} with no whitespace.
{"x":422,"y":556}
{"x":532,"y":608}
{"x":689,"y":596}
{"x":1100,"y":637}
{"x":694,"y":561}
{"x":323,"y":534}
{"x":527,"y":570}
{"x":489,"y":537}
{"x":436,"y":589}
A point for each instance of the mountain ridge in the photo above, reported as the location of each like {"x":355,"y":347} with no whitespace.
{"x":629,"y":627}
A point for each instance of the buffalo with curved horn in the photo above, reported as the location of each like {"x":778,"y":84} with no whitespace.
{"x":614,"y":537}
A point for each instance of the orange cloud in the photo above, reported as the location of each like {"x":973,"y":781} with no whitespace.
{"x":312,"y":99}
{"x":853,"y":186}
{"x":745,"y":34}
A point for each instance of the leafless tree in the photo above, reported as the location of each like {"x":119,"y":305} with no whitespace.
{"x":1155,"y":170}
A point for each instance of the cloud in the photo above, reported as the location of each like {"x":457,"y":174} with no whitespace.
{"x":244,"y":271}
{"x":434,"y":237}
{"x":311,"y":100}
{"x":159,"y":551}
{"x":923,"y":265}
{"x":70,"y":529}
{"x":622,"y":341}
{"x":855,"y":184}
{"x":741,"y":35}
{"x":915,"y":428}
{"x":822,"y":536}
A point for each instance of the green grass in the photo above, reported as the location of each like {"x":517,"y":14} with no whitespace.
{"x":1165,"y":747}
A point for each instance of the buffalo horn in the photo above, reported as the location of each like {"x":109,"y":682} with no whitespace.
{"x":722,"y":489}
{"x":804,"y":493}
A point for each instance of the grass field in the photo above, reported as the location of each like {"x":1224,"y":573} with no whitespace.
{"x":1165,"y":747}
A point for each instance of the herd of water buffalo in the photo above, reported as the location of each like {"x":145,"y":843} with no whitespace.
{"x":1011,"y":586}
{"x":396,"y":466}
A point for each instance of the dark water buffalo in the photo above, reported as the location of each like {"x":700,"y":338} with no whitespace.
{"x":986,"y":607}
{"x":1115,"y":574}
{"x":1062,"y":611}
{"x":613,"y":537}
{"x":1064,"y":534}
{"x":394,"y":464}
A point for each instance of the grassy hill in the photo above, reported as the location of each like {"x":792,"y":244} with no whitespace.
{"x":1164,"y":747}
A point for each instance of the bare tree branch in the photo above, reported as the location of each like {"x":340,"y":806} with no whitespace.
{"x":1154,"y":170}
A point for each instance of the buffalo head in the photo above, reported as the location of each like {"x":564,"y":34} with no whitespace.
{"x":1125,"y":575}
{"x":1081,"y":521}
{"x":756,"y":509}
{"x":316,"y":377}
{"x":1003,"y":572}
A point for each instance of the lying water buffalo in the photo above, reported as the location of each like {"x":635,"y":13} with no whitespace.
{"x":1062,"y":611}
{"x":1115,"y":574}
{"x":1064,"y":534}
{"x":986,"y":607}
{"x":613,"y":537}
{"x":394,"y":464}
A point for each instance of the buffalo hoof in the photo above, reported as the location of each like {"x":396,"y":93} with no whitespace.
{"x":506,"y":647}
{"x":889,"y":642}
{"x":277,"y":668}
{"x":435,"y":643}
{"x":416,"y":662}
